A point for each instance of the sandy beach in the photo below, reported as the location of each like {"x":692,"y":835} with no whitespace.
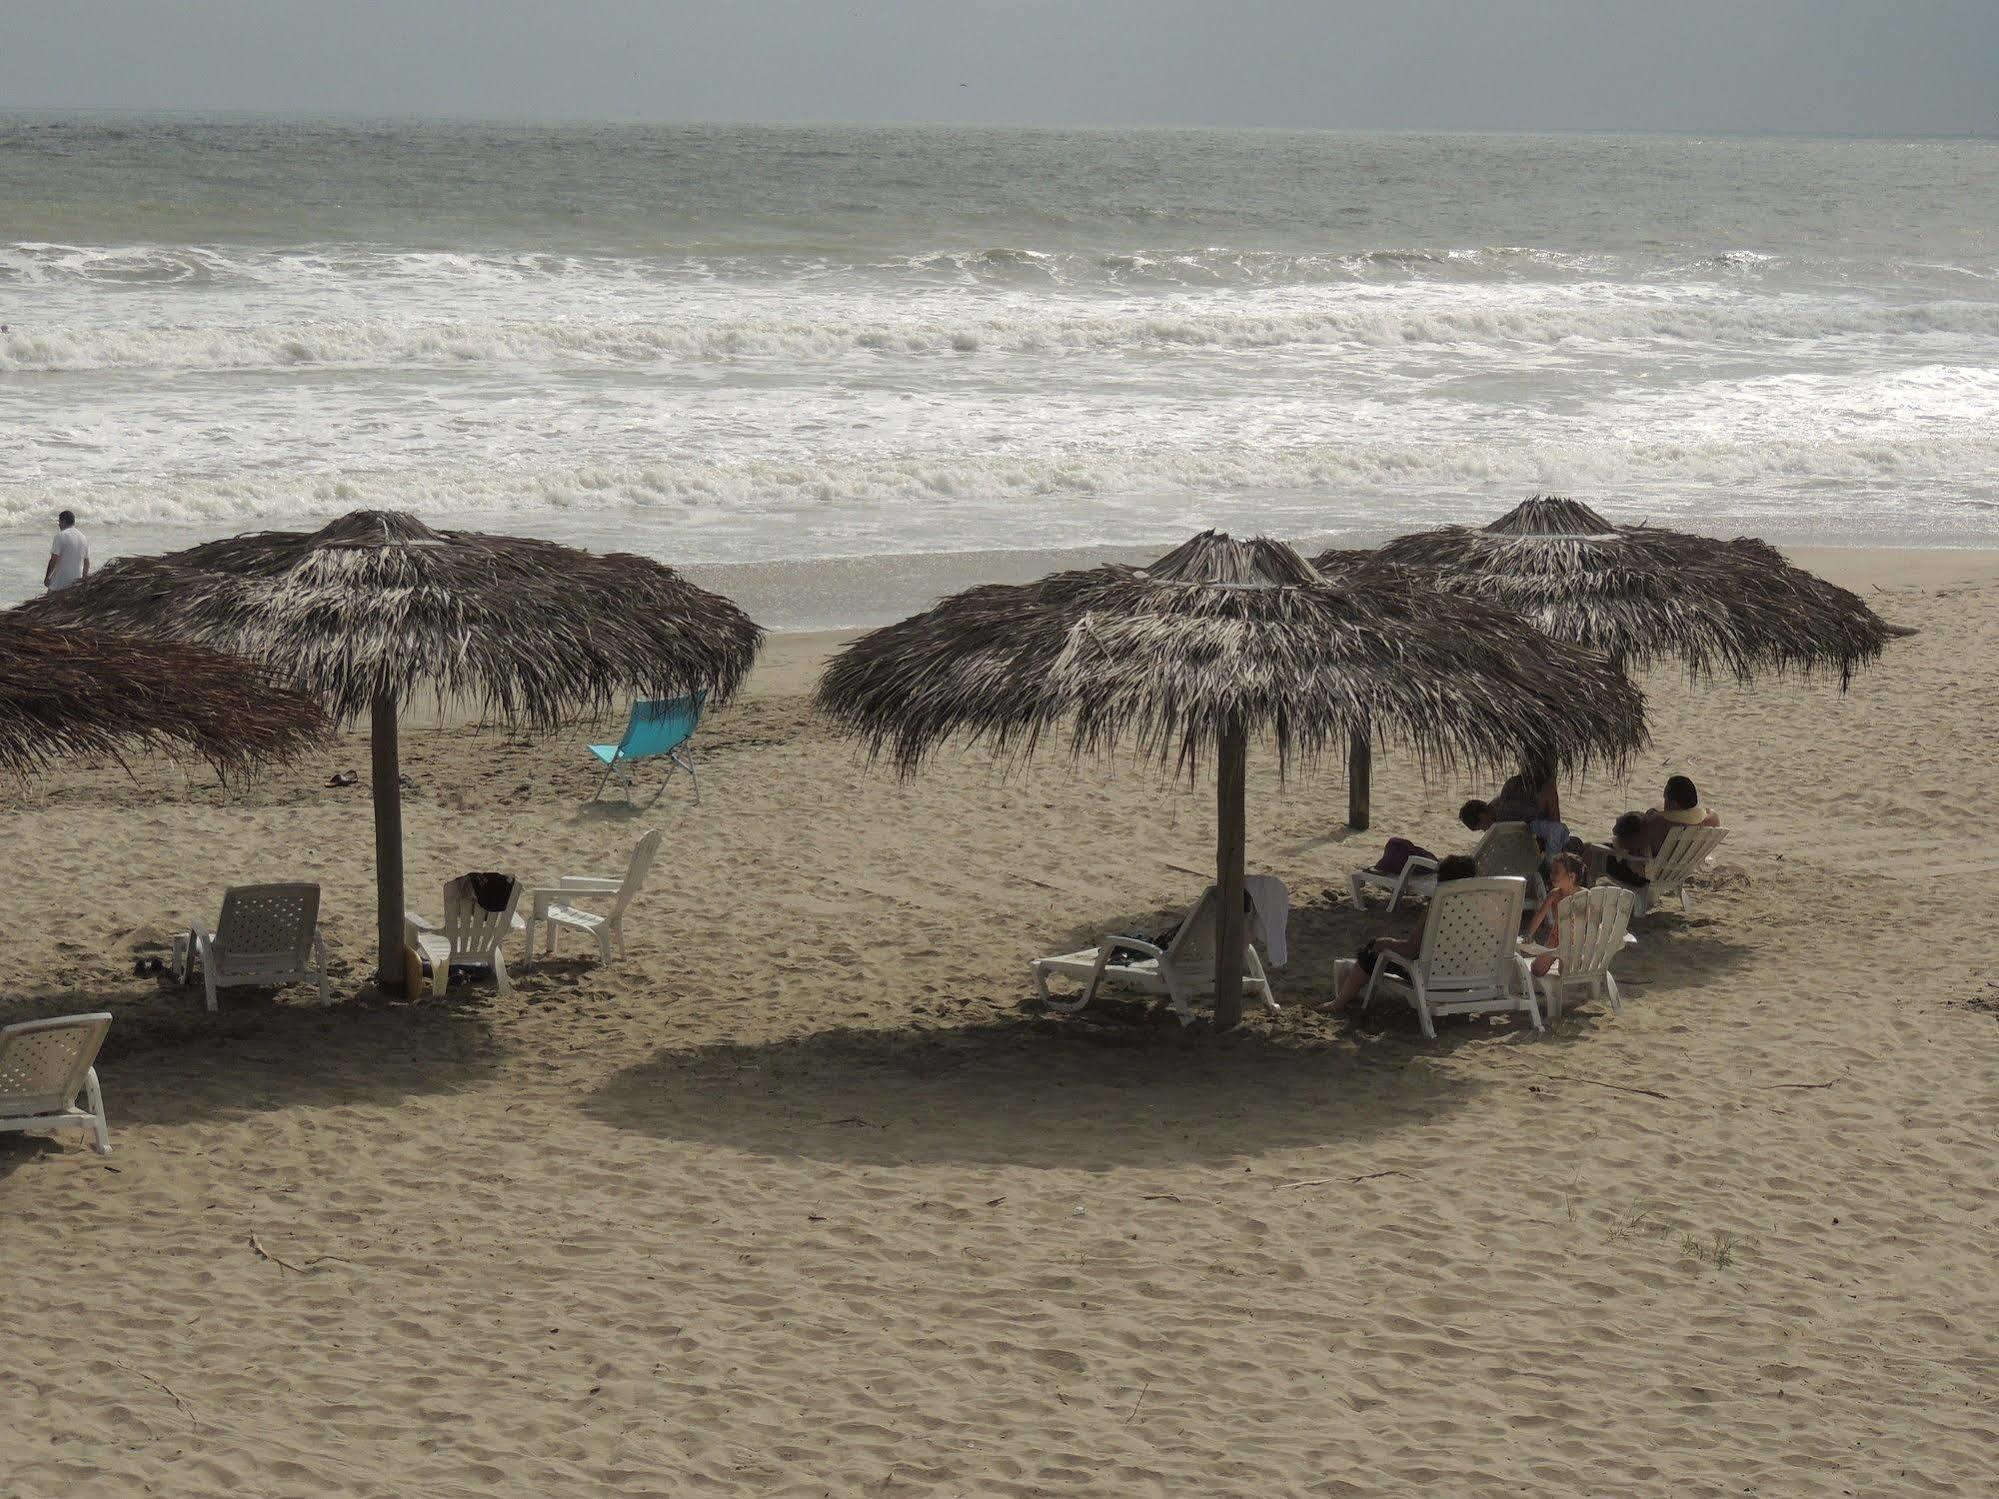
{"x":806,"y":1196}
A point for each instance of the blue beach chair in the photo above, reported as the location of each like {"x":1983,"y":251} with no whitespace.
{"x":657,"y":729}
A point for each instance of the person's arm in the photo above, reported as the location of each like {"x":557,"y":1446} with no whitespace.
{"x":86,"y":565}
{"x":49,"y":572}
{"x":1541,"y":914}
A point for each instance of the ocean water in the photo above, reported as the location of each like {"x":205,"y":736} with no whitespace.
{"x":720,"y":344}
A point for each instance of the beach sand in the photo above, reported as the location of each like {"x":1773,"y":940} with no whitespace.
{"x":805,"y":1197}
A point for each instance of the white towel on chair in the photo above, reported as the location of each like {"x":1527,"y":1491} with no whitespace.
{"x":1271,"y":903}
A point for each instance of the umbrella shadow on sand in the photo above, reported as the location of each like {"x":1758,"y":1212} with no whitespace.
{"x":186,"y":1066}
{"x":1025,"y":1092}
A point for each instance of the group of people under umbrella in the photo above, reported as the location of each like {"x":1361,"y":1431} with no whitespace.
{"x":1500,"y":647}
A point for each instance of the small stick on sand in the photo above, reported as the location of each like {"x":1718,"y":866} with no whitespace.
{"x":1139,"y":1403}
{"x":1325,"y":1181}
{"x":258,"y":1245}
{"x":1570,"y":1077}
{"x":1829,"y":1083}
{"x":185,"y":1408}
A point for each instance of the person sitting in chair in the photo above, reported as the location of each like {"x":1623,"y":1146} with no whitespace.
{"x":1456,"y":867}
{"x":1519,"y":801}
{"x":1682,"y":809}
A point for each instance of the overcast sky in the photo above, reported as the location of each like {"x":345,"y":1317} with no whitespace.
{"x":1867,"y":66}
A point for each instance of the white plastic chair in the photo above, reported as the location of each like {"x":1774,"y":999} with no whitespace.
{"x":555,"y":906}
{"x":470,"y":936}
{"x":1595,"y":927}
{"x":1183,"y":970}
{"x":1686,"y":853}
{"x":43,"y":1064}
{"x":268,"y":936}
{"x":1470,"y":962}
{"x":1507,"y":848}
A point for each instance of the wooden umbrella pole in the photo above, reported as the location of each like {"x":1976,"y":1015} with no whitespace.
{"x":1360,"y":772}
{"x":386,"y":767}
{"x":1230,"y":770}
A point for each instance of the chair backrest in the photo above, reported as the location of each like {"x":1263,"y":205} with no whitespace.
{"x":1508,"y":848}
{"x":1471,"y":932}
{"x":266,"y":928}
{"x":661,"y":725}
{"x":635,"y":872}
{"x":1683,"y":853}
{"x":471,"y":929}
{"x":42,"y":1062}
{"x":1193,"y":948}
{"x":1593,"y":924}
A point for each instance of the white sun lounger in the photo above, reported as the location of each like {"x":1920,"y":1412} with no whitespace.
{"x":1470,"y":962}
{"x":1183,"y":970}
{"x":470,"y":936}
{"x":557,"y":906}
{"x":1595,"y":928}
{"x":1686,"y":853}
{"x":268,"y":936}
{"x":1507,"y":848}
{"x":43,"y":1065}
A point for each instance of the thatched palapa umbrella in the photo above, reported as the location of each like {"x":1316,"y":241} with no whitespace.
{"x":67,"y":692}
{"x":1218,"y":642}
{"x":376,"y":608}
{"x":1643,"y":593}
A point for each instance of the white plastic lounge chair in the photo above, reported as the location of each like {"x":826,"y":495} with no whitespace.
{"x":268,"y":936}
{"x":1182,"y":971}
{"x":1507,"y":848}
{"x":43,"y":1064}
{"x":1686,"y":853}
{"x":657,"y":730}
{"x":469,"y":937}
{"x":557,"y":907}
{"x":1470,"y":962}
{"x":1595,"y":927}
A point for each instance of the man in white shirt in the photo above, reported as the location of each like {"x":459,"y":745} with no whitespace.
{"x":69,"y":562}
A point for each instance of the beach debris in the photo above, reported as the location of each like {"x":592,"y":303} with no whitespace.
{"x":344,"y":778}
{"x":1325,"y":1181}
{"x":1139,"y":1403}
{"x":283,"y":1264}
{"x":151,"y":1379}
{"x":1597,"y":1082}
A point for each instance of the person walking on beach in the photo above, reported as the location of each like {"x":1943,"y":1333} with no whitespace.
{"x":69,"y":560}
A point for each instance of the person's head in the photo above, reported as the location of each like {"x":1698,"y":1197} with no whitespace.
{"x":1565,"y":872}
{"x":1681,"y":795}
{"x":1476,"y":815}
{"x":65,"y":520}
{"x":1627,"y":829}
{"x":1457,"y":867}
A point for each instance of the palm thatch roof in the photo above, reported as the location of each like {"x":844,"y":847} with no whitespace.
{"x":377,"y":605}
{"x":1222,"y":636}
{"x":70,"y":692}
{"x":1640,"y":593}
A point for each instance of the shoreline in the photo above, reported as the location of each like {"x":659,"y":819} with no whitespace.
{"x":844,"y":594}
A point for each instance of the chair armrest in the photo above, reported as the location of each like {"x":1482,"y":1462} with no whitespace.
{"x":1416,"y":864}
{"x":1537,"y":950}
{"x":1136,"y":944}
{"x":412,"y":925}
{"x":1407,"y":965}
{"x":589,"y":882}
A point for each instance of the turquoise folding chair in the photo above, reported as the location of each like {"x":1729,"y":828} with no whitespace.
{"x":658,"y":730}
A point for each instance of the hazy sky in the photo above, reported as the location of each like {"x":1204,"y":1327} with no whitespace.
{"x":1887,"y":66}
